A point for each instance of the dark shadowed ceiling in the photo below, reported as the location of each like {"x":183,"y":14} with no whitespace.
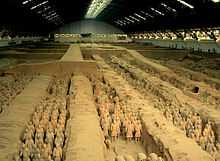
{"x":172,"y":14}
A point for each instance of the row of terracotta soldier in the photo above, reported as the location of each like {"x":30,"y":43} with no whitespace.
{"x":45,"y":135}
{"x":190,"y":122}
{"x":116,"y":121}
{"x":10,"y":86}
{"x":193,"y":126}
{"x":58,"y":85}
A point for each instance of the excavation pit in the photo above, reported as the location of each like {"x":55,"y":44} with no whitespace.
{"x":130,"y":86}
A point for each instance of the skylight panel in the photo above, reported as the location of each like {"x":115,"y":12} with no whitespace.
{"x":168,"y":8}
{"x":40,"y":4}
{"x":186,"y":4}
{"x":143,"y":18}
{"x":155,"y":10}
{"x":49,"y":16}
{"x":48,"y":13}
{"x":44,"y":10}
{"x":119,"y":23}
{"x":96,"y":7}
{"x":215,"y":1}
{"x":123,"y":22}
{"x":126,"y":22}
{"x":52,"y":17}
{"x":134,"y":18}
{"x":147,"y":14}
{"x":129,"y":19}
{"x":25,"y":2}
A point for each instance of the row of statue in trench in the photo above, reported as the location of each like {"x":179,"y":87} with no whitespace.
{"x":10,"y":86}
{"x":114,"y":119}
{"x":45,"y":136}
{"x":190,"y":122}
{"x":118,"y":122}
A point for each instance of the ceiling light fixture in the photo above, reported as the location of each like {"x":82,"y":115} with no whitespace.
{"x":147,"y":14}
{"x":129,"y":19}
{"x":143,"y":18}
{"x":52,"y":15}
{"x":168,"y":8}
{"x":96,"y":7}
{"x":186,"y":4}
{"x":134,"y":18}
{"x":155,"y":10}
{"x":119,"y":23}
{"x":40,"y":4}
{"x":48,"y":13}
{"x":216,"y":1}
{"x":44,"y":10}
{"x":25,"y":2}
{"x":123,"y":22}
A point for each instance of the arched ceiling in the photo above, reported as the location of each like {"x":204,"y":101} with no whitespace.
{"x":128,"y":15}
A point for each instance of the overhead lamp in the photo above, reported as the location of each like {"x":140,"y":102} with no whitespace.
{"x":126,"y":21}
{"x":122,"y":22}
{"x":25,"y":2}
{"x":215,"y":1}
{"x":48,"y":13}
{"x":186,"y":4}
{"x":147,"y":14}
{"x":134,"y":18}
{"x":129,"y":19}
{"x":44,"y":9}
{"x":40,"y":4}
{"x":96,"y":7}
{"x":143,"y":18}
{"x":155,"y":10}
{"x":168,"y":8}
{"x":119,"y":23}
{"x":51,"y":15}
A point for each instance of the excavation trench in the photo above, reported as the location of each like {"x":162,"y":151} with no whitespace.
{"x":116,"y":113}
{"x":165,"y":140}
{"x":11,"y":85}
{"x":45,"y":136}
{"x":206,"y":94}
{"x":169,"y":104}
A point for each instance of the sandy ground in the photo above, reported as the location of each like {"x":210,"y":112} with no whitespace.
{"x":123,"y":147}
{"x":86,"y":140}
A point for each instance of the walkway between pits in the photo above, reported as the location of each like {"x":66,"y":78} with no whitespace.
{"x":169,"y":140}
{"x":85,"y":141}
{"x":73,"y":54}
{"x":13,"y":121}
